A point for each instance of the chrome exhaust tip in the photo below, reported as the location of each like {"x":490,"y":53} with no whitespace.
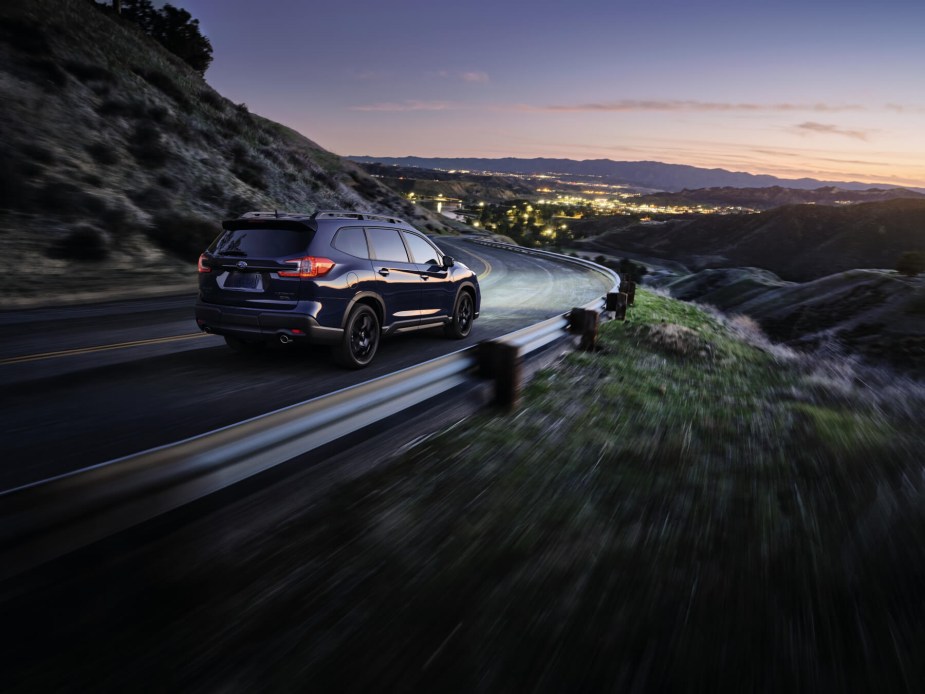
{"x":285,"y":339}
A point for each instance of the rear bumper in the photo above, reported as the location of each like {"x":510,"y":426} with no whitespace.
{"x":254,"y":324}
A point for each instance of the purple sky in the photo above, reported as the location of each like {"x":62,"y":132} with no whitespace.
{"x":811,"y":88}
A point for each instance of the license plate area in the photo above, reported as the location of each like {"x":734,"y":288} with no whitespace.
{"x":243,"y":281}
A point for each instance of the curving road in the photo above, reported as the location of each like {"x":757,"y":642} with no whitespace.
{"x":83,"y":385}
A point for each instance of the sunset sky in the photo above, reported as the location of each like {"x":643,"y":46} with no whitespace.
{"x":832,"y":90}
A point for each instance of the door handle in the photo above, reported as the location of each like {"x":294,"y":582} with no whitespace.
{"x":384,"y":271}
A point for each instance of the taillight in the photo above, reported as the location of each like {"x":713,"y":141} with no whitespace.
{"x":308,"y":267}
{"x":202,"y":266}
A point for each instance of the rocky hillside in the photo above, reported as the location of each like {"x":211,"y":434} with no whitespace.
{"x":119,"y":160}
{"x":797,"y":242}
{"x":775,"y":196}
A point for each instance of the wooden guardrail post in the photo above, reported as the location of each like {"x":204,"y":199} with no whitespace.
{"x":500,"y":362}
{"x":583,"y":322}
{"x":616,"y":302}
{"x":630,"y":289}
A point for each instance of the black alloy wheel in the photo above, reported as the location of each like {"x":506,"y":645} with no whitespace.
{"x":361,"y":339}
{"x":461,"y":324}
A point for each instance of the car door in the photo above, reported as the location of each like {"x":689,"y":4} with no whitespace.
{"x":399,"y":279}
{"x":438,"y":292}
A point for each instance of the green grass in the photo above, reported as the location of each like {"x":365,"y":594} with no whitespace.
{"x":682,"y":510}
{"x":679,"y":511}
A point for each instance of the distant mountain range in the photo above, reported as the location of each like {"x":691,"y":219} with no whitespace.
{"x":650,"y":175}
{"x":775,"y":196}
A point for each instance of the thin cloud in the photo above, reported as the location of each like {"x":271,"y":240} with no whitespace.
{"x":470,"y":76}
{"x":829,"y":129}
{"x":633,"y":105}
{"x":395,"y":106}
{"x":474,"y":77}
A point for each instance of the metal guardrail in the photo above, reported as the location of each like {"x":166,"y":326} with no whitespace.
{"x":47,"y":519}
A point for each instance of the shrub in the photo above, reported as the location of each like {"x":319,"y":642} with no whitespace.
{"x":148,"y":146}
{"x":212,"y":99}
{"x":238,"y":205}
{"x":28,"y":37}
{"x":66,"y":199}
{"x":103,"y":153}
{"x":86,"y":243}
{"x":165,"y":84}
{"x":87,"y":72}
{"x":48,"y":72}
{"x":38,"y":153}
{"x":166,"y":181}
{"x":212,"y":192}
{"x":130,"y":109}
{"x":911,"y":263}
{"x":186,"y":236}
{"x":150,"y":199}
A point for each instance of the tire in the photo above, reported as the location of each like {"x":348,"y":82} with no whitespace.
{"x":361,"y":339}
{"x":461,"y":324}
{"x":239,"y":346}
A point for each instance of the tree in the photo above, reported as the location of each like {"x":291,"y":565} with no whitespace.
{"x":174,"y":28}
{"x":179,"y":33}
{"x":911,"y":263}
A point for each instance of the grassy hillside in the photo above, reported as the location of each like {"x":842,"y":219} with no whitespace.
{"x":687,"y":509}
{"x":119,"y":158}
{"x":876,"y":313}
{"x":797,"y":242}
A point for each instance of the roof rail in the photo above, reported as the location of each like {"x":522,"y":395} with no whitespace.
{"x":345,"y":214}
{"x":274,"y":215}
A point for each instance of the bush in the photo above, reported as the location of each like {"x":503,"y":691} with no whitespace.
{"x":212,"y":98}
{"x":150,"y":199}
{"x":165,"y":84}
{"x":86,"y":72}
{"x":911,"y":263}
{"x":66,"y":199}
{"x":48,"y":72}
{"x":148,"y":146}
{"x":86,"y":243}
{"x":28,"y":37}
{"x":186,"y":237}
{"x":130,"y":109}
{"x":103,"y":153}
{"x":212,"y":192}
{"x":38,"y":153}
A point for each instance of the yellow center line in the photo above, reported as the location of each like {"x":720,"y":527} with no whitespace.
{"x":484,"y":262}
{"x":100,"y":348}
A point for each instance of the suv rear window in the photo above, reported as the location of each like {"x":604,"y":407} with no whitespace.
{"x":263,"y":242}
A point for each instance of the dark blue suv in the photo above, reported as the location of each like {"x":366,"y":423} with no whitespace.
{"x":338,"y":278}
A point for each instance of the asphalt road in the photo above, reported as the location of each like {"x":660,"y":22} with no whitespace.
{"x":87,"y":384}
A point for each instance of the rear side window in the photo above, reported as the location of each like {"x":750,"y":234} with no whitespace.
{"x":263,"y":243}
{"x":386,"y":244}
{"x":421,"y":251}
{"x":352,"y":240}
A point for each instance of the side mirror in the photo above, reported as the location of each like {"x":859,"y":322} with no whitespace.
{"x":448,"y":261}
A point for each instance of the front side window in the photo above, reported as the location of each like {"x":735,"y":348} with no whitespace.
{"x":352,"y":240}
{"x":421,"y":251}
{"x":385,"y":244}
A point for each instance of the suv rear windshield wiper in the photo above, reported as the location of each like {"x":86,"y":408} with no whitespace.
{"x":237,"y":253}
